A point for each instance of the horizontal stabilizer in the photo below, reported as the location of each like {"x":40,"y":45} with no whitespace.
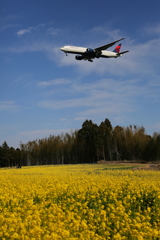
{"x":122,"y":52}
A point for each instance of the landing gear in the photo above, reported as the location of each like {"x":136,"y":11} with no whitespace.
{"x":90,"y":60}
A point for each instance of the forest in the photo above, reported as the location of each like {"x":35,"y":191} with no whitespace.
{"x":89,"y":144}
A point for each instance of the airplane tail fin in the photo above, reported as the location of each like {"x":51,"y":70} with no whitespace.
{"x":117,"y":48}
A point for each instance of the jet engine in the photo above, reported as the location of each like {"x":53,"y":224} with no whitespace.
{"x":78,"y":57}
{"x":90,"y":50}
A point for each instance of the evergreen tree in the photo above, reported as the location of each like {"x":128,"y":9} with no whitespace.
{"x":88,"y":135}
{"x":103,"y":140}
{"x":6,"y":156}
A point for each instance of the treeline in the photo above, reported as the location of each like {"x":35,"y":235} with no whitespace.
{"x":10,"y":157}
{"x":88,"y":145}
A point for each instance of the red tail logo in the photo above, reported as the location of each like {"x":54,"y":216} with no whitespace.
{"x":117,"y":48}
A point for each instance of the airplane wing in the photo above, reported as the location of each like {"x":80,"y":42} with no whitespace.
{"x":99,"y":49}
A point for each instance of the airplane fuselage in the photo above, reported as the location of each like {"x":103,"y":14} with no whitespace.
{"x":89,"y":53}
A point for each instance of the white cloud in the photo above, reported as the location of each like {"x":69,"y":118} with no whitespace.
{"x":102,"y":97}
{"x":30,"y":47}
{"x":97,"y":98}
{"x":154,"y":83}
{"x":142,"y":59}
{"x":10,"y":25}
{"x":79,"y":118}
{"x":8,"y":105}
{"x":141,"y":62}
{"x":154,"y":29}
{"x":76,"y":102}
{"x":30,"y":29}
{"x":53,"y":31}
{"x":22,"y":32}
{"x":8,"y":22}
{"x":111,"y":34}
{"x":57,"y":81}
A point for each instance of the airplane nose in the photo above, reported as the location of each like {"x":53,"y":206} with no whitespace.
{"x":62,"y":48}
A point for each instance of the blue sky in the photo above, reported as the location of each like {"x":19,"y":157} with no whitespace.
{"x":44,"y":92}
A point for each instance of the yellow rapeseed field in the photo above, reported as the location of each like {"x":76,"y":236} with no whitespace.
{"x":79,"y":202}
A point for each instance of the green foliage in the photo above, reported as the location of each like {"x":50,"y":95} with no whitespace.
{"x":88,"y":145}
{"x":87,"y":135}
{"x":9,"y":157}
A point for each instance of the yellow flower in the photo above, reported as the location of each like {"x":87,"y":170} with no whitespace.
{"x":65,"y":202}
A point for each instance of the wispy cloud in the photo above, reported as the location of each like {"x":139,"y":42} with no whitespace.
{"x":53,"y":31}
{"x":57,"y":81}
{"x":8,"y":105}
{"x":154,"y":29}
{"x":97,"y":97}
{"x":10,"y":25}
{"x":79,"y":118}
{"x":8,"y":22}
{"x":30,"y":29}
{"x":32,"y":46}
{"x":23,"y":31}
{"x":43,"y":30}
{"x":104,"y":96}
{"x":142,"y":59}
{"x":107,"y":31}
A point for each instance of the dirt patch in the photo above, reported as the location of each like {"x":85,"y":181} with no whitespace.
{"x":124,"y":162}
{"x":153,"y":167}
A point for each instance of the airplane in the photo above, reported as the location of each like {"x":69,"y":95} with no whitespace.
{"x":89,"y":53}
